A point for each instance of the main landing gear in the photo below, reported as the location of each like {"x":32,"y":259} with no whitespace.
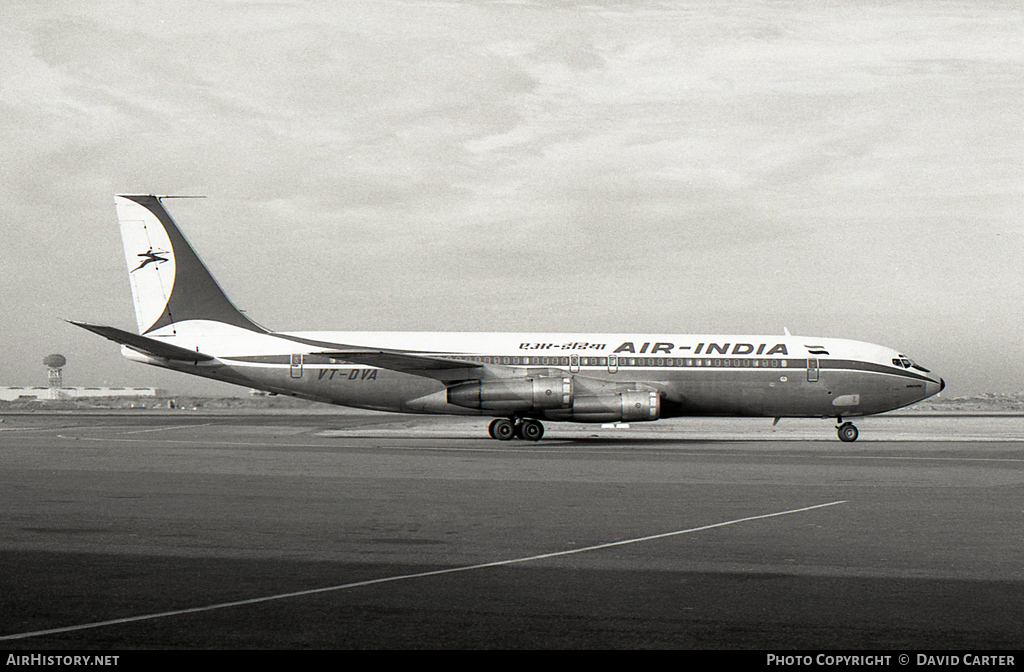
{"x":506,"y":429}
{"x":847,"y":432}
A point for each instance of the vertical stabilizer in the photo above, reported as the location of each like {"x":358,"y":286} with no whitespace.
{"x":170,"y":284}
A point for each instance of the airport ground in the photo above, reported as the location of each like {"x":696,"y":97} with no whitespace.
{"x":211,"y":530}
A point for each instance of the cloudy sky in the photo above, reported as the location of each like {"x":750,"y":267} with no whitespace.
{"x":849,"y":170}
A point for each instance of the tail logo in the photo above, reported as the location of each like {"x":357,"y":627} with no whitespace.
{"x":169,"y":282}
{"x":151,"y":257}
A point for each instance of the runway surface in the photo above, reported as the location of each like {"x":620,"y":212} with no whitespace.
{"x":128,"y":530}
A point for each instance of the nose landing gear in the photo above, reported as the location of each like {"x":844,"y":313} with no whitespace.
{"x":847,"y":432}
{"x":506,"y":429}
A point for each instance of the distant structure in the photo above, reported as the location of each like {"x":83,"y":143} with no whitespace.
{"x":55,"y":364}
{"x":57,"y":391}
{"x":9,"y":393}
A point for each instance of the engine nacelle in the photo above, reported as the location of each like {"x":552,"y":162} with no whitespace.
{"x":518,"y":395}
{"x":627,"y":406}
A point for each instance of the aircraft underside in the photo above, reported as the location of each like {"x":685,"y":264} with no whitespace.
{"x":519,"y":406}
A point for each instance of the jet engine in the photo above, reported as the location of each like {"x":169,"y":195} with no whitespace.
{"x":626,"y":406}
{"x":514,"y":396}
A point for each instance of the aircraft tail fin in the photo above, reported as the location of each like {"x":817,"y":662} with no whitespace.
{"x":170,"y":284}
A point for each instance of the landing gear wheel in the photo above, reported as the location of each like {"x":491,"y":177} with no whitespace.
{"x":531,"y":430}
{"x":502,"y":429}
{"x":490,"y":428}
{"x":847,"y":432}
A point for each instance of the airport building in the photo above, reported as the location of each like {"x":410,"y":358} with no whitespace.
{"x":56,"y":393}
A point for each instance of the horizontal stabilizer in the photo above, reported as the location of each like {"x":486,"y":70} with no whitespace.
{"x":147,"y":346}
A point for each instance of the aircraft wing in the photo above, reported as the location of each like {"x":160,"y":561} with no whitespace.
{"x":428,"y":366}
{"x":420,"y":365}
{"x":147,"y":346}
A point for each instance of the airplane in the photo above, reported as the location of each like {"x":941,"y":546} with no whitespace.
{"x":186,"y":323}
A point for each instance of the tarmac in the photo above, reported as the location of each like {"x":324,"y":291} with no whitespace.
{"x":342,"y":530}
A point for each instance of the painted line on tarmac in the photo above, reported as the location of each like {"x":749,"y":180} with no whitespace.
{"x":923,"y":458}
{"x":166,"y":429}
{"x":551,"y":447}
{"x":406,"y":577}
{"x":183,"y":442}
{"x":58,"y":429}
{"x":681,"y":435}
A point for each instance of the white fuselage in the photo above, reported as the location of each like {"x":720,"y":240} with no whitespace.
{"x":727,"y":375}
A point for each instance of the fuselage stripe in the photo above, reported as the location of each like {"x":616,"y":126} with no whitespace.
{"x":603,"y":363}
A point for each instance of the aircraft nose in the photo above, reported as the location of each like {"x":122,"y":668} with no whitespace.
{"x":932,"y":387}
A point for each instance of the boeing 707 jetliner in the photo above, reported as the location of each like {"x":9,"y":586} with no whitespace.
{"x":187,"y":324}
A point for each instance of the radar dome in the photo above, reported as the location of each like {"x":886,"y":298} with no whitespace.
{"x":54,"y":361}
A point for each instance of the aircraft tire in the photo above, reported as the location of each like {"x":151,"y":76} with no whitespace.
{"x":504,"y":429}
{"x":490,"y":428}
{"x":847,"y":432}
{"x":531,"y":430}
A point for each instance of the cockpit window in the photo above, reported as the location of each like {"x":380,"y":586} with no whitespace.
{"x":907,"y":363}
